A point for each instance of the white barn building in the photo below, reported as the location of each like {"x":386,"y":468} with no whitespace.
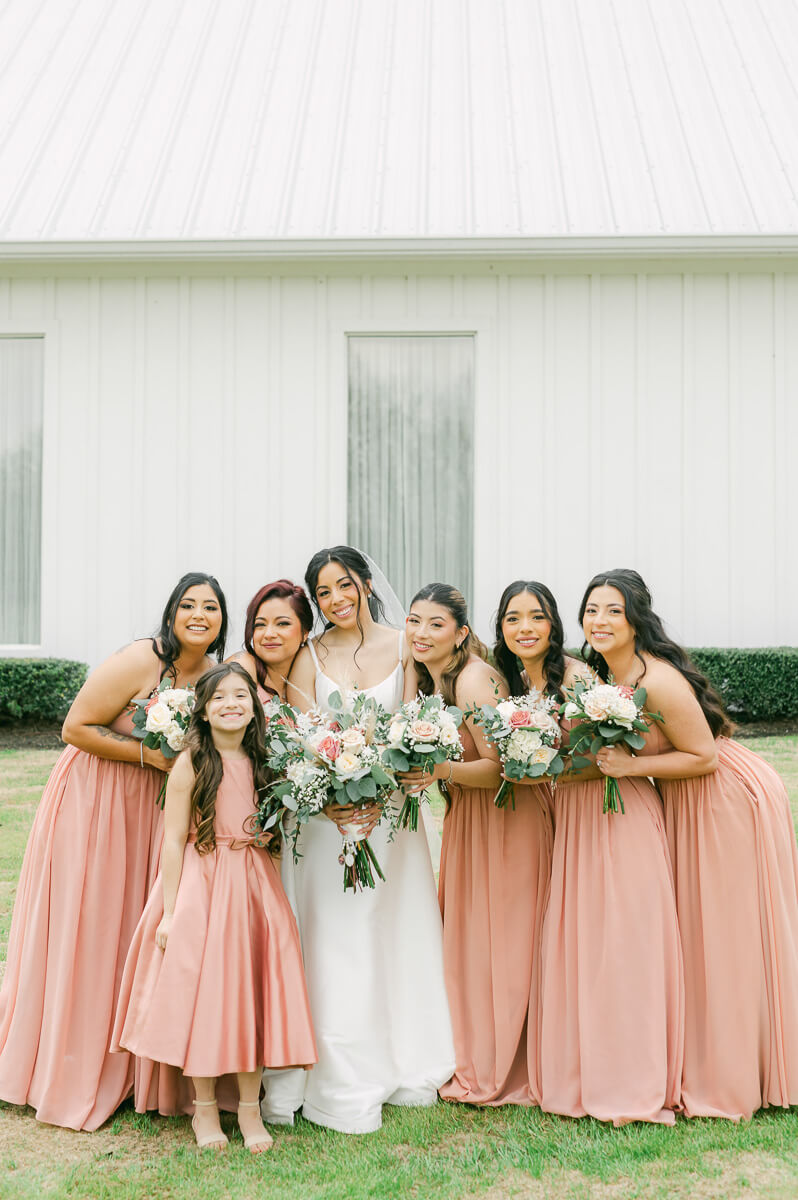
{"x":491,"y":288}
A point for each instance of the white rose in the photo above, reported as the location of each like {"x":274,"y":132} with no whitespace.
{"x":159,"y":718}
{"x":175,"y":736}
{"x":353,"y":739}
{"x":544,"y":755}
{"x":179,"y":700}
{"x":599,"y":700}
{"x":522,"y":744}
{"x":347,"y":764}
{"x":396,"y":732}
{"x":505,"y":709}
{"x":624,"y":709}
{"x":571,"y":709}
{"x":449,"y":735}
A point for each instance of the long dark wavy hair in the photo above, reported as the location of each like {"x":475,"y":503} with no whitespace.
{"x":207,"y":761}
{"x":355,"y":566}
{"x":554,"y":661}
{"x":453,"y":601}
{"x":164,"y":643}
{"x":281,"y":589}
{"x":651,"y":638}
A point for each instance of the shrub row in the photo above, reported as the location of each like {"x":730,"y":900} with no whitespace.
{"x":759,"y":684}
{"x":39,"y":688}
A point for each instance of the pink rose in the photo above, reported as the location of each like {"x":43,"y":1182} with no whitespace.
{"x":329,"y":747}
{"x":423,"y":731}
{"x":626,"y":691}
{"x":521,"y":719}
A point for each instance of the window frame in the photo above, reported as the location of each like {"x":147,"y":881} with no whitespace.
{"x":47,"y":333}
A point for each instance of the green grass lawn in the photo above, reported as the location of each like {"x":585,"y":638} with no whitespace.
{"x":448,"y":1152}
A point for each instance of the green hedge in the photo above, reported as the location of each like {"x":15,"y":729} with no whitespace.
{"x":39,"y":688}
{"x":760,"y":684}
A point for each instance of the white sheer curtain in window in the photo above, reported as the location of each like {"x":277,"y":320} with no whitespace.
{"x":411,"y":457}
{"x":21,"y":395}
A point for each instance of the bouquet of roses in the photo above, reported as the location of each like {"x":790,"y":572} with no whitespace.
{"x":421,"y":734}
{"x":527,"y":735}
{"x":161,"y":722}
{"x":606,"y":714}
{"x":332,"y":759}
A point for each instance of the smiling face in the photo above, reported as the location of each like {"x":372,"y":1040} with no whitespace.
{"x":341,"y":597}
{"x":198,"y":617}
{"x":277,"y":632}
{"x":525,"y":627}
{"x":433,"y":633}
{"x":230,"y":708}
{"x":604,"y":622}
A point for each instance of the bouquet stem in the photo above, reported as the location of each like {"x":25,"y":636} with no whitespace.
{"x":612,"y":795}
{"x":506,"y":792}
{"x":408,"y":817}
{"x":358,"y":873}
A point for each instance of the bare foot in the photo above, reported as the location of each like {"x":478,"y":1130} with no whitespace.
{"x":253,"y":1131}
{"x":205,"y":1124}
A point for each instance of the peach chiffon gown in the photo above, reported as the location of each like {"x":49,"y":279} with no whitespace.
{"x":88,"y":866}
{"x":612,"y":988}
{"x":735,"y":864}
{"x":228,"y":993}
{"x":494,"y":882}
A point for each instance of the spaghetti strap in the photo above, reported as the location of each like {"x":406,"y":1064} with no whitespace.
{"x":401,"y":644}
{"x":313,"y":655}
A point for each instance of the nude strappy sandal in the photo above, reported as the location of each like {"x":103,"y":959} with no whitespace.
{"x":261,"y":1141}
{"x":217,"y":1140}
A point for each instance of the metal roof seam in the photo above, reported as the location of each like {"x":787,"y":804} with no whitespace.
{"x":330,"y":220}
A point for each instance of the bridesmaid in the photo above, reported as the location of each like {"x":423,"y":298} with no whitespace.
{"x":278,"y":623}
{"x":494,"y":867}
{"x":85,"y":878}
{"x":515,"y":847}
{"x":612,"y":996}
{"x":735,"y":863}
{"x":373,"y":959}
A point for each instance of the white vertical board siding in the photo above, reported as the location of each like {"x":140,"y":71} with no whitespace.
{"x":631,"y":416}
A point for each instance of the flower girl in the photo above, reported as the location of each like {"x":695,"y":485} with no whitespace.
{"x":213,"y":982}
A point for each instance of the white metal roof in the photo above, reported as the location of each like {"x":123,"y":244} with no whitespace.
{"x":257,"y":121}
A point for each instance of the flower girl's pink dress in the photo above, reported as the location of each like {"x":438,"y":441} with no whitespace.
{"x":84,"y":883}
{"x":494,"y":882}
{"x":735,"y":864}
{"x":228,"y":993}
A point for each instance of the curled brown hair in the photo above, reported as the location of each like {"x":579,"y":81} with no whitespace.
{"x":453,"y":601}
{"x":651,"y":638}
{"x":207,"y":761}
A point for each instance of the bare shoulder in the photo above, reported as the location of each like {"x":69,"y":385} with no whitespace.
{"x":478,"y":680}
{"x":245,"y":660}
{"x":663,"y":679}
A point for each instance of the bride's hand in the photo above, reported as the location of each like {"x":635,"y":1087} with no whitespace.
{"x":366,"y":815}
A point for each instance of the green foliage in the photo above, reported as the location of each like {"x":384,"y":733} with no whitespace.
{"x":759,"y":684}
{"x":39,"y":688}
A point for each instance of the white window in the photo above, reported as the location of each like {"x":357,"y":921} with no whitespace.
{"x":21,"y":402}
{"x":411,"y":457}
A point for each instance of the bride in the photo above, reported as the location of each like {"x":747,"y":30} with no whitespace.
{"x":373,"y":959}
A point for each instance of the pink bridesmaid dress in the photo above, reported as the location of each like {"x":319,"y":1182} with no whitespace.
{"x":612,"y":989}
{"x":85,"y":878}
{"x":494,"y":881}
{"x":735,"y":865}
{"x":228,"y":993}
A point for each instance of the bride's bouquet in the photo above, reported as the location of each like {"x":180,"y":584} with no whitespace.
{"x":161,"y":722}
{"x":330,"y":759}
{"x":527,"y":735}
{"x":606,"y":714}
{"x":421,"y":734}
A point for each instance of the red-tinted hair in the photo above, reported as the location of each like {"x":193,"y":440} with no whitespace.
{"x":281,"y":589}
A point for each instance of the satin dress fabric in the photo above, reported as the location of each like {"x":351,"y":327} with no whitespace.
{"x":89,"y":863}
{"x":374,"y":966}
{"x":228,"y":992}
{"x":735,"y":862}
{"x":612,"y":1025}
{"x":493,"y":889}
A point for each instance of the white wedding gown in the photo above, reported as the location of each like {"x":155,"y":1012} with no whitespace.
{"x":374,"y":966}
